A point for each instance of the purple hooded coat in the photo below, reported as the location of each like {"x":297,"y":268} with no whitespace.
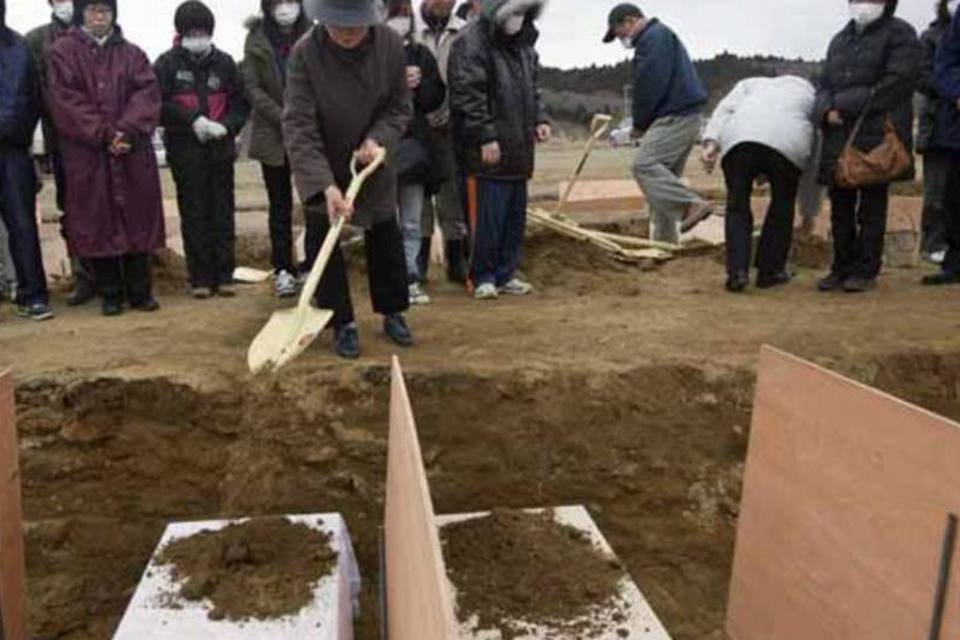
{"x":114,"y":204}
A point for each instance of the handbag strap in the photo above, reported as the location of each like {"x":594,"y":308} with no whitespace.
{"x":859,"y":125}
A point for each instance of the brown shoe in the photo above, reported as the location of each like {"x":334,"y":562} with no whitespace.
{"x":696,"y":213}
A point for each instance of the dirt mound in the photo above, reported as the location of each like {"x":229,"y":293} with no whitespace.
{"x":812,"y":252}
{"x":169,"y":272}
{"x":554,"y":262}
{"x":513,"y":569}
{"x":253,"y":250}
{"x":262,"y":569}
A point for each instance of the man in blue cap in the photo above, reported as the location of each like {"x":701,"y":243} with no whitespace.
{"x":668,"y":104}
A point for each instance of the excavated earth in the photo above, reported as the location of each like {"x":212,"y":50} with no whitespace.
{"x":627,"y":391}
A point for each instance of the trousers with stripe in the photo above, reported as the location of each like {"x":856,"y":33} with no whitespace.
{"x":497,"y":211}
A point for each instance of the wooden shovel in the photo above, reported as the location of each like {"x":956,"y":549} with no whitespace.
{"x":598,"y":127}
{"x":291,"y":331}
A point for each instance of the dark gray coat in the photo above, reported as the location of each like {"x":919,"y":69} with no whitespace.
{"x":930,"y":102}
{"x":884,"y":61}
{"x":495,"y":97}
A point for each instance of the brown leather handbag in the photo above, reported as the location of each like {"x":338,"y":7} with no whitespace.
{"x":886,"y":163}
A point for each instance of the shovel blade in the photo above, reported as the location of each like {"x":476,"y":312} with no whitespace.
{"x":287,"y":334}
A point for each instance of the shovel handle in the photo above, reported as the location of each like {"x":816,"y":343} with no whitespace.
{"x":598,"y":126}
{"x":333,"y":236}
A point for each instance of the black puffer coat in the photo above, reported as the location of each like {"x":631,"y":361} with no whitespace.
{"x":495,"y":97}
{"x":883,"y":60}
{"x":930,"y":101}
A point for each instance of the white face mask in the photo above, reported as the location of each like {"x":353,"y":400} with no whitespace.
{"x":627,"y":42}
{"x":514,"y":24}
{"x":866,"y":13}
{"x":286,"y":13}
{"x":63,"y":11}
{"x":952,"y":6}
{"x":198,"y":46}
{"x":401,"y":25}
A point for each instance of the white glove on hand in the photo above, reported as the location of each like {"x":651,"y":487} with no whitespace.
{"x":215,"y":130}
{"x":200,"y":128}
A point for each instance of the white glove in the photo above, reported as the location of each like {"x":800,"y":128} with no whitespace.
{"x":216,"y":130}
{"x":200,"y":128}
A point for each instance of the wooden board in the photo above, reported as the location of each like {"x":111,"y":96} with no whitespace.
{"x":13,"y":598}
{"x":419,"y":605}
{"x":846,"y":497}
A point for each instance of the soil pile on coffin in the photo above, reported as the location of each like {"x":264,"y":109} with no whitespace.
{"x":262,"y":569}
{"x":515,"y":570}
{"x":563,"y":265}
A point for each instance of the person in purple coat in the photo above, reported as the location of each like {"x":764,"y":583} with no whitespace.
{"x":105,"y":102}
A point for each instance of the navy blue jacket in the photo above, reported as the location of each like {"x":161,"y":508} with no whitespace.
{"x":665,"y":82}
{"x":19,"y":91}
{"x":947,"y":81}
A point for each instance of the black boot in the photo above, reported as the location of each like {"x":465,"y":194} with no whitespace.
{"x":456,"y":262}
{"x":84,"y":290}
{"x":423,"y":259}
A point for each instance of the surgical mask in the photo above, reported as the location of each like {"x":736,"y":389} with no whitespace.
{"x":286,"y":13}
{"x":514,"y":24}
{"x":952,"y":6}
{"x":197,"y":45}
{"x":866,"y":13}
{"x":401,"y":25}
{"x":63,"y":11}
{"x":628,"y":42}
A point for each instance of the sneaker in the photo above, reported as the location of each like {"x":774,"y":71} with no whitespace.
{"x":859,"y":285}
{"x":696,"y":213}
{"x":833,"y":282}
{"x":397,"y":330}
{"x":112,"y":308}
{"x":937,"y":257}
{"x":941,"y":279}
{"x":738,"y":282}
{"x":37,"y":311}
{"x":286,"y":285}
{"x":486,"y":292}
{"x":201,"y":293}
{"x":418,"y":296}
{"x":346,"y":342}
{"x":516,"y":287}
{"x":147,"y":306}
{"x":771,"y":280}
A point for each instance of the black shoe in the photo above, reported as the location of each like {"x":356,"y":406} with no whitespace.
{"x":941,"y":279}
{"x":346,"y":342}
{"x":770,"y":280}
{"x":456,"y":262}
{"x":859,"y":285}
{"x":737,"y":282}
{"x":83,"y":292}
{"x":397,"y":330}
{"x":833,"y":282}
{"x":423,"y":259}
{"x":38,"y":311}
{"x":147,"y":306}
{"x":112,"y":307}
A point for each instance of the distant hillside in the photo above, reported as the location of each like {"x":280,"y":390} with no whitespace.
{"x":573,"y":95}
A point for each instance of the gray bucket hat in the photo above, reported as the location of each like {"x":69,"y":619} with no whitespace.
{"x":344,"y":13}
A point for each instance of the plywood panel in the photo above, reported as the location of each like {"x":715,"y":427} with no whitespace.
{"x":846,"y":497}
{"x":13,"y":602}
{"x":419,"y":606}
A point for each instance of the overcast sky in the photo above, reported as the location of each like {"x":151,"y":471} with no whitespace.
{"x":571,"y":28}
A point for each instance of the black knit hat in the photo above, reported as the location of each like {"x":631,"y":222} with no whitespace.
{"x":80,"y":6}
{"x":193,"y":15}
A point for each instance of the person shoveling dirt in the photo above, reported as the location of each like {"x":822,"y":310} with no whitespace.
{"x":261,"y":569}
{"x":516,"y":571}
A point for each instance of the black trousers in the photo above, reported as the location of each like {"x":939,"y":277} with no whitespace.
{"x":741,"y":167}
{"x":280,"y":195}
{"x":859,"y":219}
{"x":205,"y":197}
{"x":386,"y":268}
{"x":129,"y":276}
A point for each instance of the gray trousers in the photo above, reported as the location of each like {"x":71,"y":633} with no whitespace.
{"x":658,"y":167}
{"x":936,"y":173}
{"x":8,"y":275}
{"x":411,"y":209}
{"x":446,"y":207}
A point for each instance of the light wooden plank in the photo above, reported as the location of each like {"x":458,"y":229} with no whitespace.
{"x":846,"y":496}
{"x":13,"y":598}
{"x":419,"y":605}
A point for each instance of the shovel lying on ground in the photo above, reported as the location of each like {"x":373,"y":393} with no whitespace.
{"x":598,"y":127}
{"x":291,"y":331}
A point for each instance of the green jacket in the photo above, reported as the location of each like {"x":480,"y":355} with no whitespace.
{"x":265,"y":87}
{"x":39,"y":41}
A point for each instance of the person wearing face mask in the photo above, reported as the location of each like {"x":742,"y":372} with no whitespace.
{"x":40,"y":40}
{"x":270,"y":39}
{"x":436,"y":28}
{"x":415,"y":163}
{"x":204,"y":109}
{"x":348,"y":97}
{"x":19,"y":113}
{"x":469,"y":10}
{"x":668,"y":104}
{"x":871,"y":70}
{"x":105,"y":102}
{"x":498,"y":117}
{"x":935,"y":160}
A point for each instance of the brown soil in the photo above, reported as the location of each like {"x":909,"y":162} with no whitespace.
{"x":811,"y":252}
{"x":263,"y":568}
{"x":513,"y":570}
{"x":253,"y":250}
